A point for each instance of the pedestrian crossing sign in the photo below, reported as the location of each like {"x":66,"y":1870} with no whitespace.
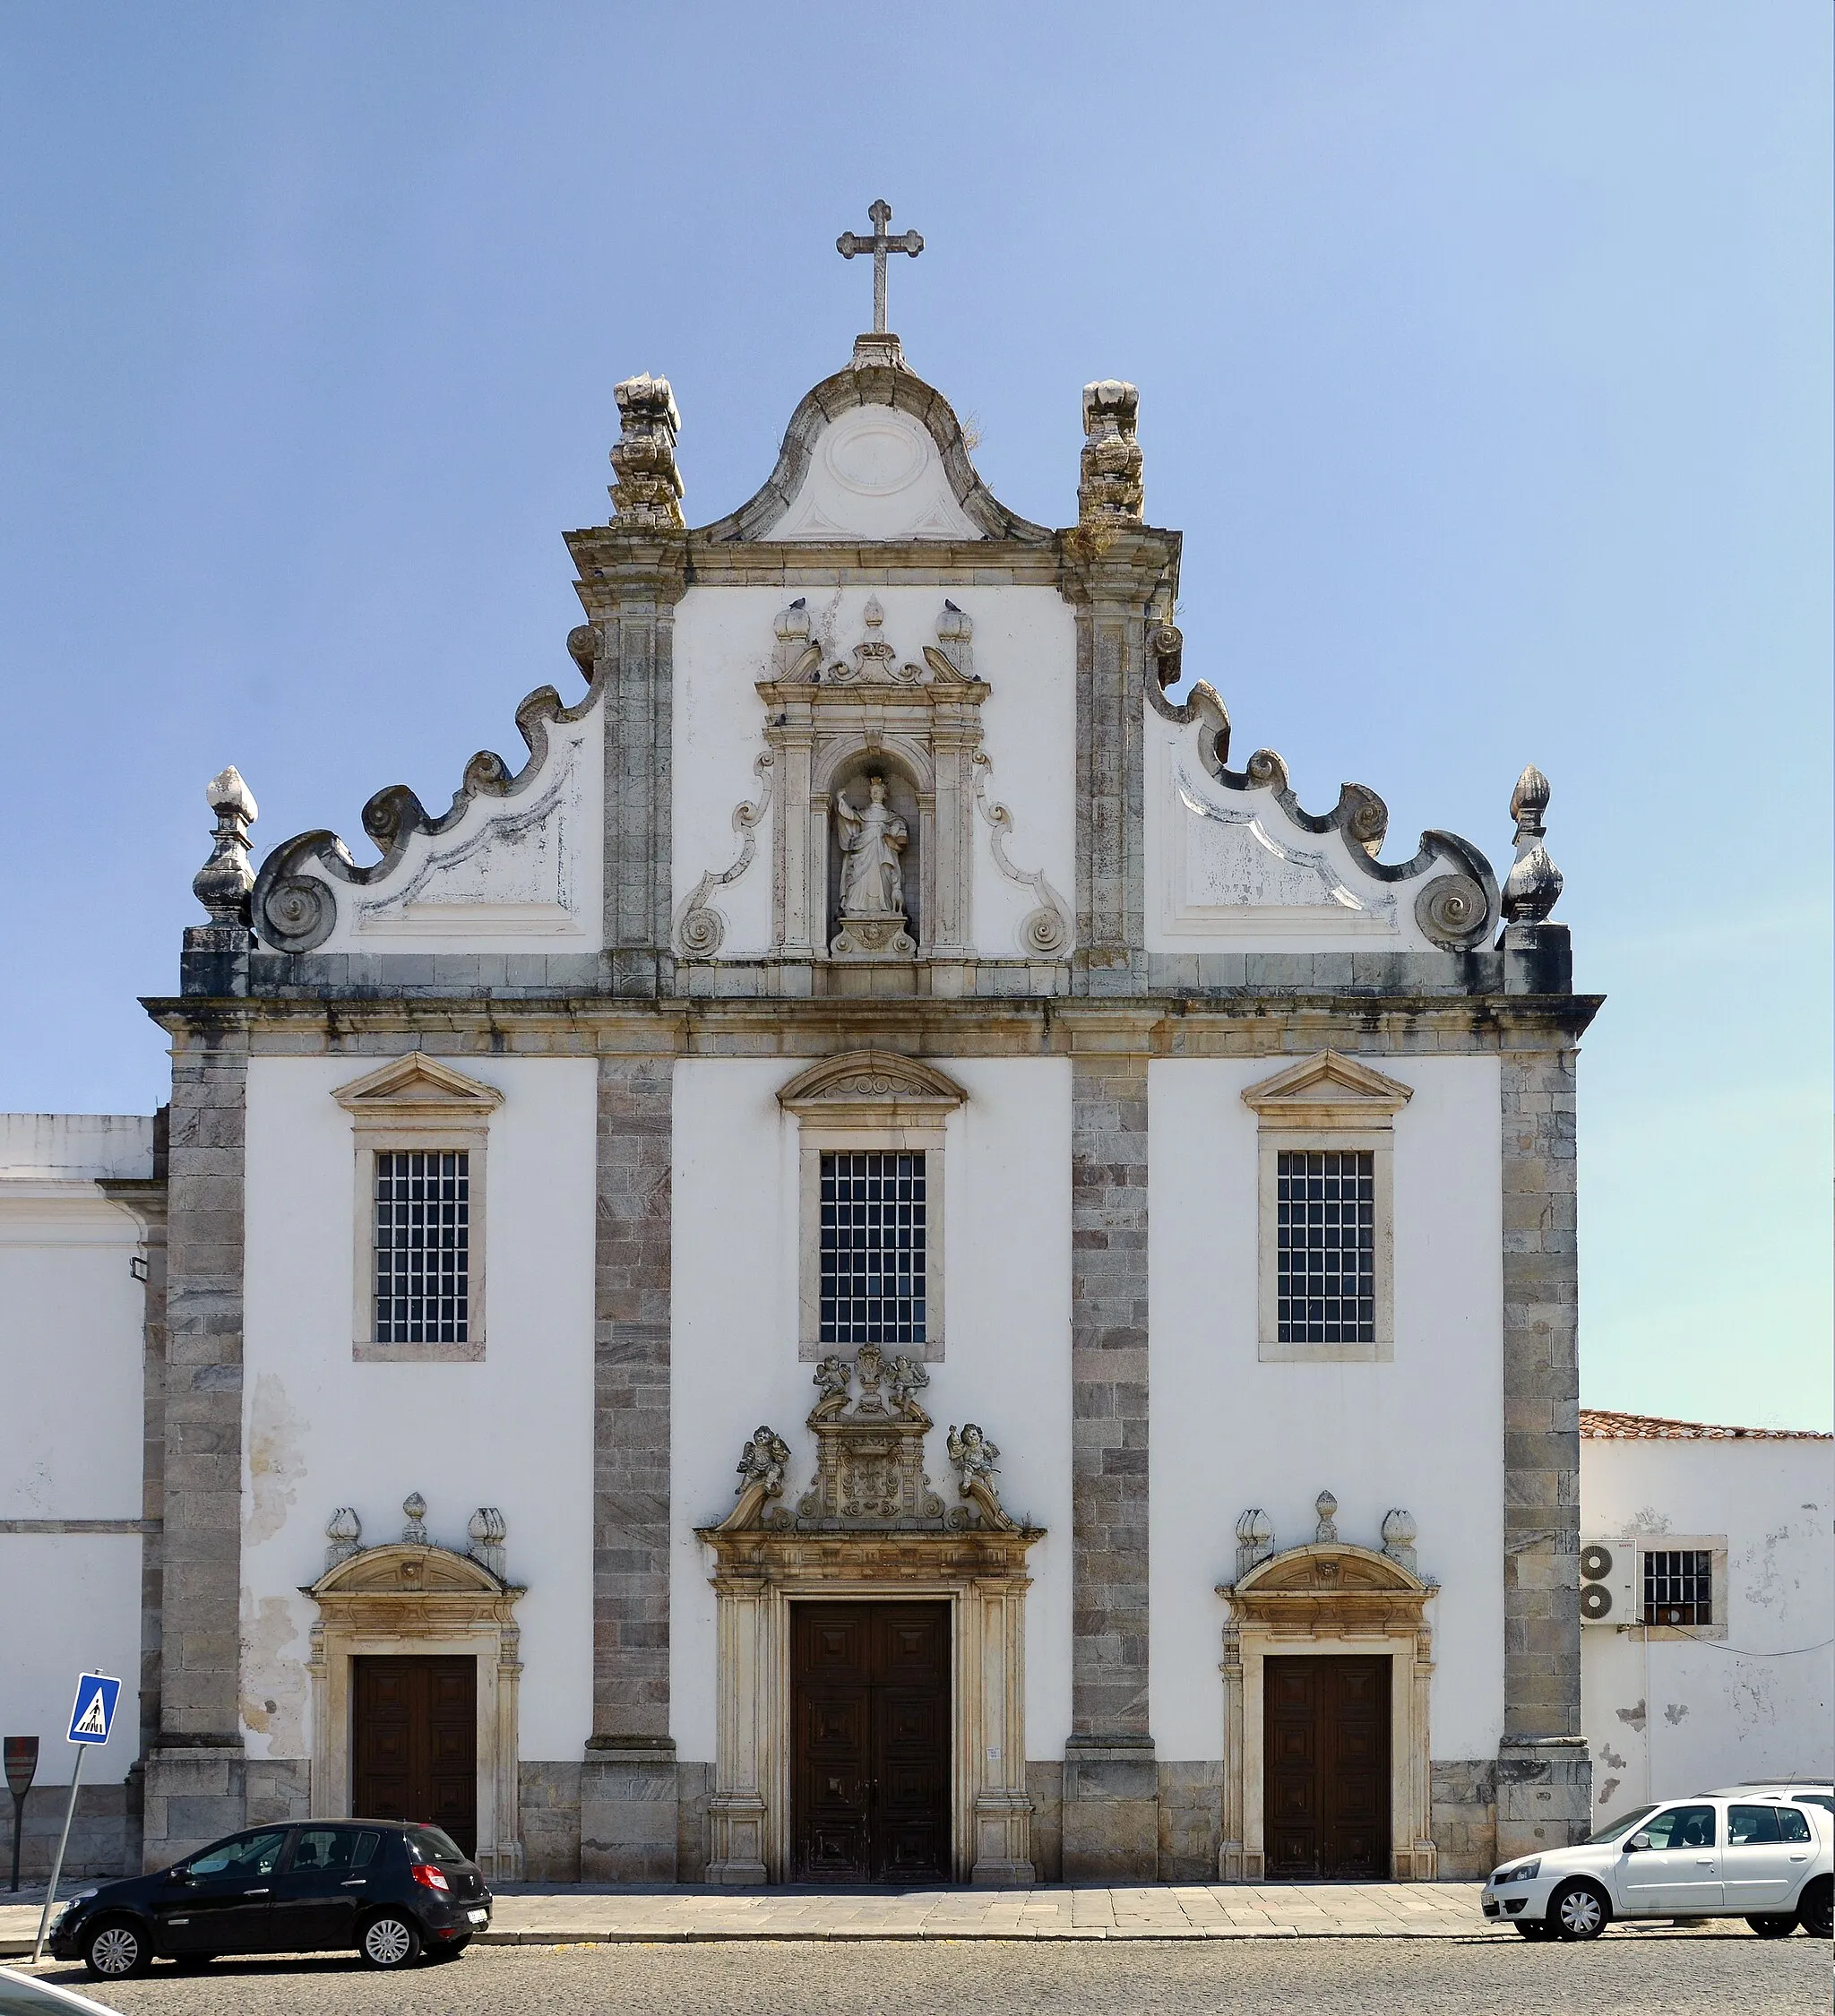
{"x":94,"y":1709}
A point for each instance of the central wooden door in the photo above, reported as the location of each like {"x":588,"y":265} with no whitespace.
{"x":414,"y":1748}
{"x":1327,"y":1749}
{"x":870,"y":1741}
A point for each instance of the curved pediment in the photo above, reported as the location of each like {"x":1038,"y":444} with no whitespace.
{"x":874,"y":453}
{"x":403,"y":1570}
{"x":1325,"y":1568}
{"x":875,"y":1078}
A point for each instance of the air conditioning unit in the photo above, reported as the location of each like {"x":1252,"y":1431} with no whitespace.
{"x":1608,"y":1583}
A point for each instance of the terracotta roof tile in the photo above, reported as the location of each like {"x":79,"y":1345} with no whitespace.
{"x":1602,"y":1425}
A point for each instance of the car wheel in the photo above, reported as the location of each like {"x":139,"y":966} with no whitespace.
{"x":1580,"y":1912}
{"x":1532,"y":1928}
{"x":390,"y":1940}
{"x":112,"y":1952}
{"x":1772,"y":1927}
{"x":1816,"y":1913}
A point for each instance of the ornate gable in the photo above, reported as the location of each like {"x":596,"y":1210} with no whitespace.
{"x":418,"y":1086}
{"x":1329,"y":1091}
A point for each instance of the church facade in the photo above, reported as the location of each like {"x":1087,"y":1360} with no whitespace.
{"x":873,"y":1264}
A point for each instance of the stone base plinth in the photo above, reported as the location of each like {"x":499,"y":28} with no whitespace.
{"x":627,"y":1812}
{"x":195,"y":1794}
{"x":1111,"y":1810}
{"x":1545,"y":1794}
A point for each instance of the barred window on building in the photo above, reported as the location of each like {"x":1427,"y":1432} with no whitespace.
{"x":1679,"y":1586}
{"x":873,"y":1249}
{"x":1326,"y":1247}
{"x":423,"y":1247}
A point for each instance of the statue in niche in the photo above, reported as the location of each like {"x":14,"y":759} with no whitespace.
{"x":873,"y":882}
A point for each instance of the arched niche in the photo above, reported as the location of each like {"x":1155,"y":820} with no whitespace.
{"x":908,"y":793}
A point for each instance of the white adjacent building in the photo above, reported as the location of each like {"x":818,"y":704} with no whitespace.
{"x":871,"y":1264}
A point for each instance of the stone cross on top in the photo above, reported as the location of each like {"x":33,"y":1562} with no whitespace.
{"x":879,"y":245}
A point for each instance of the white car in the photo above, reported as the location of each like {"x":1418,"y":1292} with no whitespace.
{"x":1751,"y":1855}
{"x":23,"y":1994}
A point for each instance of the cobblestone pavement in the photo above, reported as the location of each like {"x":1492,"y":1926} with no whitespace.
{"x":1632,"y":1975}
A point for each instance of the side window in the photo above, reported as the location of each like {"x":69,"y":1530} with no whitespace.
{"x":1682,"y":1827}
{"x":1751,"y":1824}
{"x":246,"y":1854}
{"x":341,"y":1850}
{"x":1793,"y":1825}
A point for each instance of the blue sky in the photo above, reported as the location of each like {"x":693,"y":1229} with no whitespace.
{"x":1484,"y":362}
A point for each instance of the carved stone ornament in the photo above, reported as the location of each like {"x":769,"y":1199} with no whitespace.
{"x":1533,"y":886}
{"x":1326,"y":1506}
{"x":1254,"y":1540}
{"x":870,"y":1477}
{"x":1399,"y":1537}
{"x":344,"y":1530}
{"x":487,"y":1529}
{"x":414,"y":1509}
{"x":649,"y":487}
{"x":873,"y":824}
{"x":1109,"y":491}
{"x":222,"y":885}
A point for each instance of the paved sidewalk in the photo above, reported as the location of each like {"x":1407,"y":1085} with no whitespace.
{"x":532,"y":1915}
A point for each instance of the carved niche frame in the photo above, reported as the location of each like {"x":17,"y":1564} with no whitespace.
{"x":1325,"y":1598}
{"x":922,"y":720}
{"x":407,"y":1602}
{"x":870,"y":1101}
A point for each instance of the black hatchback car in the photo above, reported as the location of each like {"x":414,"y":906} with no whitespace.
{"x":391,"y":1889}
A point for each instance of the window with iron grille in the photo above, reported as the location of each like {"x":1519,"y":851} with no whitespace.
{"x":1679,"y":1586}
{"x":873,"y":1249}
{"x":1326,"y":1247}
{"x":423,"y":1247}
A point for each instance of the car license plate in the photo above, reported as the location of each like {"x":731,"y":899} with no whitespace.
{"x":479,"y":1917}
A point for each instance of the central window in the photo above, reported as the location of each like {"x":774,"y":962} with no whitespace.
{"x":873,"y":1249}
{"x":1326,"y":1247}
{"x":423,"y":1247}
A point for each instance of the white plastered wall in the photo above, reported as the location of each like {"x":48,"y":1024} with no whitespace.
{"x":1025,"y":649}
{"x":734,"y":1362}
{"x":1424,"y":1433}
{"x":1723,"y":1709}
{"x":513,"y":1430}
{"x":71,"y":1377}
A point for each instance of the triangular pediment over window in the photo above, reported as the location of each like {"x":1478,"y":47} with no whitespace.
{"x":418,"y":1084}
{"x":1325,"y":1085}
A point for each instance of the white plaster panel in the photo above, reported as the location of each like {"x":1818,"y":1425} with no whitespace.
{"x":516,"y":874}
{"x":1229,"y":872}
{"x":733,"y":1358}
{"x":72,"y":1606}
{"x":1677,"y":1716}
{"x":875,"y":473}
{"x":1229,"y":1432}
{"x":1025,"y":648}
{"x":71,"y":1353}
{"x":513,"y":1430}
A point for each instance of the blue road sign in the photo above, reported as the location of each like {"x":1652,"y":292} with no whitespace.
{"x":96,"y":1695}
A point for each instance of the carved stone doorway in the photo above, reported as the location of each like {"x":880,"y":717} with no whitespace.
{"x":1327,"y":1760}
{"x":870,"y":1741}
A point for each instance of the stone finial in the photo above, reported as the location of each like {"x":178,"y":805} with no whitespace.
{"x":955,"y":632}
{"x":344,"y":1530}
{"x":1110,"y":486}
{"x":649,"y":486}
{"x":413,"y":1509}
{"x":1326,"y":1506}
{"x":489,"y":1529}
{"x":1533,"y":885}
{"x":1254,"y":1540}
{"x":1399,"y":1538}
{"x":223,"y":883}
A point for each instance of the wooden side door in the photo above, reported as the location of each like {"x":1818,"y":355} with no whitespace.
{"x":414,"y":1728}
{"x":1326,"y":1764}
{"x":870,"y":1741}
